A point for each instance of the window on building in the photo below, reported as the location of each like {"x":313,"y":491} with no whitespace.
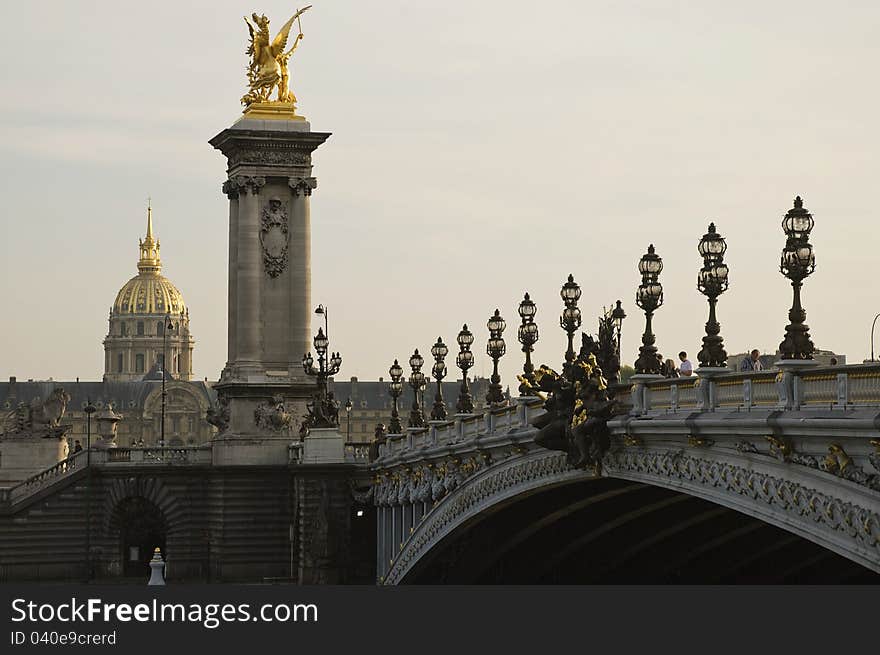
{"x":140,"y":328}
{"x":139,"y":362}
{"x":123,"y":328}
{"x":119,"y":362}
{"x":160,"y":328}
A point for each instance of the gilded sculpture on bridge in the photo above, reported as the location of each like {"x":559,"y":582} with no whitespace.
{"x":578,"y":408}
{"x":268,"y":71}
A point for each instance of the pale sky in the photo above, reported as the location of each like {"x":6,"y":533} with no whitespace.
{"x":479,"y":150}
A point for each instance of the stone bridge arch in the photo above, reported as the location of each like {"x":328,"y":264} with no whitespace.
{"x":809,"y":514}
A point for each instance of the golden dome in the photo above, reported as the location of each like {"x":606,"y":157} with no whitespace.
{"x":149,"y":292}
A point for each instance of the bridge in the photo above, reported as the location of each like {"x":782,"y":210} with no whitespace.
{"x":741,"y":476}
{"x":761,"y":476}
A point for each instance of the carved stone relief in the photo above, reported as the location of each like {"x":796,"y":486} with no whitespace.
{"x":274,"y":237}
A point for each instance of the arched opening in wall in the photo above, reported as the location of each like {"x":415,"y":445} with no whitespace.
{"x":610,"y":531}
{"x":141,"y":528}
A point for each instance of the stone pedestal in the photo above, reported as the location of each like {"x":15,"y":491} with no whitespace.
{"x":788,"y":383}
{"x":157,"y":569}
{"x":324,"y":446}
{"x":269,"y":185}
{"x":26,"y":456}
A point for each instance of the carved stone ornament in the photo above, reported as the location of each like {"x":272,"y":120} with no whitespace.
{"x":219,"y":416}
{"x":274,"y":237}
{"x":274,"y":154}
{"x":302,"y":185}
{"x":239,"y":184}
{"x":273,"y":416}
{"x":40,"y":417}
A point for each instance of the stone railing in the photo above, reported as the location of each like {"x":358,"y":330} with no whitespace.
{"x":183,"y":455}
{"x":447,"y":436}
{"x":825,"y":387}
{"x":44,"y":479}
{"x":357,"y":452}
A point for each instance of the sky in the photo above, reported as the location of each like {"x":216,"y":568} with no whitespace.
{"x":479,"y":150}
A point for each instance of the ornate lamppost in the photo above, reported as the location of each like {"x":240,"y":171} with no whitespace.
{"x":712,"y":282}
{"x":797,"y":263}
{"x":348,"y":408}
{"x":528,"y":337}
{"x":464,"y":360}
{"x":396,"y":373}
{"x":649,"y":297}
{"x":439,"y":351}
{"x":417,"y":382}
{"x":495,"y":348}
{"x":617,"y":316}
{"x":570,"y":320}
{"x":323,"y":413}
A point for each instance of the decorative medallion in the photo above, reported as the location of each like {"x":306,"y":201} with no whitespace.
{"x":274,"y":237}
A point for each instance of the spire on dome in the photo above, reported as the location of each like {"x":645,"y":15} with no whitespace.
{"x":149,"y":218}
{"x":149,"y":261}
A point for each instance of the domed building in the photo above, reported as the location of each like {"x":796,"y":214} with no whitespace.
{"x":149,"y":321}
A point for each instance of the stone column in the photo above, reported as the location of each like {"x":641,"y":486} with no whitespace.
{"x":231,"y":191}
{"x":299,"y":334}
{"x":269,"y":183}
{"x":248,"y":292}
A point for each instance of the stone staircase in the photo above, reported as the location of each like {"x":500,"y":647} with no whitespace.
{"x":11,"y":497}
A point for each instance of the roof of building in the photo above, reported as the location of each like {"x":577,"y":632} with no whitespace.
{"x":122,"y":395}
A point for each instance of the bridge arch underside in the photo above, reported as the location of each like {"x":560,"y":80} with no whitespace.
{"x":615,"y":531}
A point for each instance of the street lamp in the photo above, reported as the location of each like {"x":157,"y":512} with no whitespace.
{"x":528,"y":337}
{"x":167,"y":326}
{"x":495,"y":348}
{"x":396,"y":373}
{"x":649,"y":297}
{"x":320,"y":309}
{"x":89,"y":409}
{"x":797,"y":263}
{"x":321,"y":414}
{"x":439,"y":351}
{"x":712,"y":281}
{"x":417,"y":382}
{"x":617,"y":316}
{"x":464,"y":360}
{"x":873,"y":323}
{"x":348,"y":407}
{"x":570,"y":320}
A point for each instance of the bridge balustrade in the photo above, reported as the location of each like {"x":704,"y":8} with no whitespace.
{"x":827,"y":387}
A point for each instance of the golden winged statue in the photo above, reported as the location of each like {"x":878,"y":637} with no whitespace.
{"x":268,"y":66}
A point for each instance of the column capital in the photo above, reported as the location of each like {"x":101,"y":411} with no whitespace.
{"x":303,"y":185}
{"x":238,"y":184}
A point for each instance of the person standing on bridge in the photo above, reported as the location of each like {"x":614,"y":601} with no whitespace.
{"x":752,"y":362}
{"x":686,"y":369}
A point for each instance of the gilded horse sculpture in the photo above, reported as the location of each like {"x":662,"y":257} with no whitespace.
{"x":268,"y":68}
